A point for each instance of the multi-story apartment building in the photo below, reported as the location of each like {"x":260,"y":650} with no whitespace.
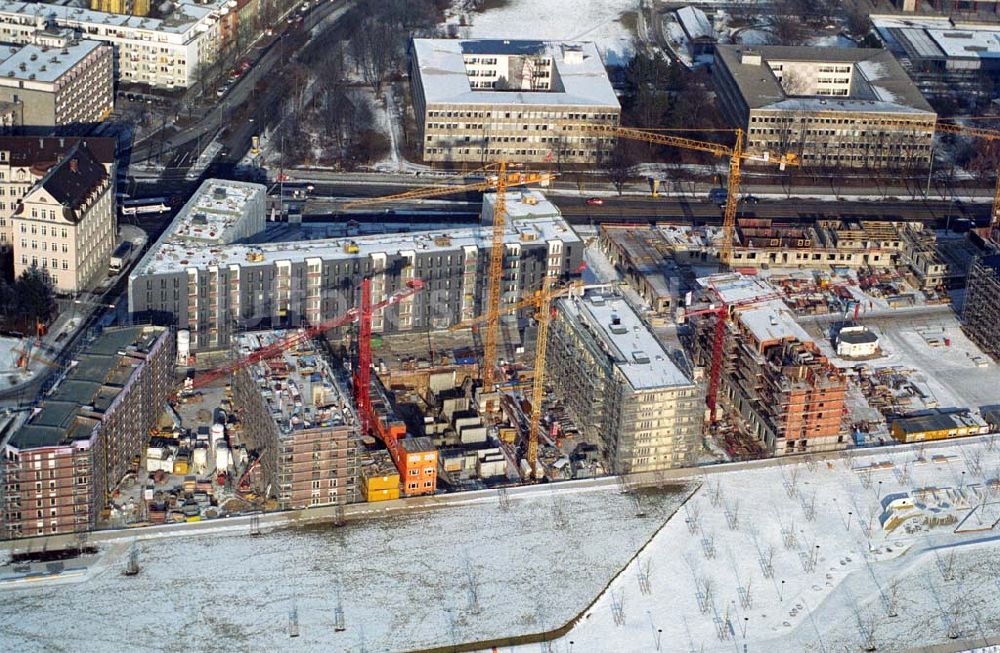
{"x":65,"y":225}
{"x":300,"y":421}
{"x":981,"y":311}
{"x":479,"y":101}
{"x":158,"y":52}
{"x":58,"y":469}
{"x":214,"y":289}
{"x":775,"y":386}
{"x":831,"y":107}
{"x":24,"y":161}
{"x":66,"y":84}
{"x":620,"y":386}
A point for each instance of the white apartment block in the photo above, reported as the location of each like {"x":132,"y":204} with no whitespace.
{"x":160,"y":52}
{"x":58,"y":82}
{"x":478,"y":101}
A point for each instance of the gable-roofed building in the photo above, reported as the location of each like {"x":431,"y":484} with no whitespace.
{"x":831,"y":107}
{"x":62,"y":217}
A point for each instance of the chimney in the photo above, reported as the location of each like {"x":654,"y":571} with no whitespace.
{"x":74,"y":165}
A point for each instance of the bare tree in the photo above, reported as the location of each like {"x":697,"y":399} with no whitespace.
{"x":619,"y":164}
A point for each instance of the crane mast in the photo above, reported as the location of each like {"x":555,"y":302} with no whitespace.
{"x":494,"y":281}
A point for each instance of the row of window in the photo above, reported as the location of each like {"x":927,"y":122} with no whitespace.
{"x":520,"y":115}
{"x":44,"y":262}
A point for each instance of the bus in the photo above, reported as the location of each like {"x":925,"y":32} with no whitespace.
{"x":119,"y":257}
{"x":145,"y":205}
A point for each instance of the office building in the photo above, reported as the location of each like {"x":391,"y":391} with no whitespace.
{"x":830,"y":107}
{"x":480,"y":101}
{"x":299,"y":420}
{"x":61,"y":466}
{"x":65,"y":86}
{"x":620,"y":386}
{"x":945,"y":57}
{"x":197,"y":277}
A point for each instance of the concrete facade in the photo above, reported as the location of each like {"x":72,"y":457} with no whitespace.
{"x":215,"y":289}
{"x":621,"y":387}
{"x":478,"y":101}
{"x":159,"y":52}
{"x":67,"y":85}
{"x":59,"y":468}
{"x":830,"y":107}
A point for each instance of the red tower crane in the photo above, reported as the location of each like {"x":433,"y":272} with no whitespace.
{"x":413,"y":286}
{"x":722,"y":312}
{"x":363,"y":373}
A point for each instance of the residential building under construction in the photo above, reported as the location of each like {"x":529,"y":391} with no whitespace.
{"x":201,"y":277}
{"x":620,"y":386}
{"x":775,"y":387}
{"x":981,"y":312}
{"x":59,"y":468}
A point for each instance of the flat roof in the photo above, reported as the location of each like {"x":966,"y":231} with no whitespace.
{"x":772,"y":321}
{"x":443,"y":76}
{"x":936,"y":37}
{"x":884,"y":86}
{"x":46,"y":64}
{"x":300,"y":388}
{"x":214,"y":212}
{"x":938,"y":421}
{"x":626,"y":339}
{"x":181,"y":20}
{"x":856,"y":336}
{"x":167,"y":255}
{"x":97,"y":377}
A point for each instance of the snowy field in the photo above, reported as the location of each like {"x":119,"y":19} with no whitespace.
{"x":568,"y":20}
{"x":432,"y":579}
{"x":793,"y":558}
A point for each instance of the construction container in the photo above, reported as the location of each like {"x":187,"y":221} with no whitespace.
{"x":199,"y":460}
{"x":181,"y":466}
{"x":217,"y":434}
{"x":223,"y":459}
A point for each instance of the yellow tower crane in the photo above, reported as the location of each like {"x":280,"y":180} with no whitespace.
{"x":498,"y":178}
{"x":735,"y":152}
{"x":542,"y":301}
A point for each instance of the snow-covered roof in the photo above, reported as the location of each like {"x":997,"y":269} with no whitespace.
{"x":43,"y":64}
{"x":627,"y":340}
{"x":695,"y":23}
{"x":579,"y":77}
{"x":168,"y":255}
{"x":938,"y":37}
{"x":182,"y":19}
{"x":879,"y":84}
{"x":773,"y":321}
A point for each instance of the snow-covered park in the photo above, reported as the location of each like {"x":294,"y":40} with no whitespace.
{"x":458,"y":574}
{"x":844,"y":556}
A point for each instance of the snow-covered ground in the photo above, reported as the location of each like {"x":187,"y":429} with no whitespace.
{"x":794,"y":558}
{"x":430,"y":579}
{"x":568,"y":20}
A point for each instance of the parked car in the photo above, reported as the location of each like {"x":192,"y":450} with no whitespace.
{"x":595,"y":201}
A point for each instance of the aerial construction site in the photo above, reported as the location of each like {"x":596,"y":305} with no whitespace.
{"x":618,"y":387}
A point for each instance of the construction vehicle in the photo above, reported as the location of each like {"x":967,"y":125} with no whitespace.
{"x":498,"y":178}
{"x":723,"y":312}
{"x":735,"y":152}
{"x":542,"y":301}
